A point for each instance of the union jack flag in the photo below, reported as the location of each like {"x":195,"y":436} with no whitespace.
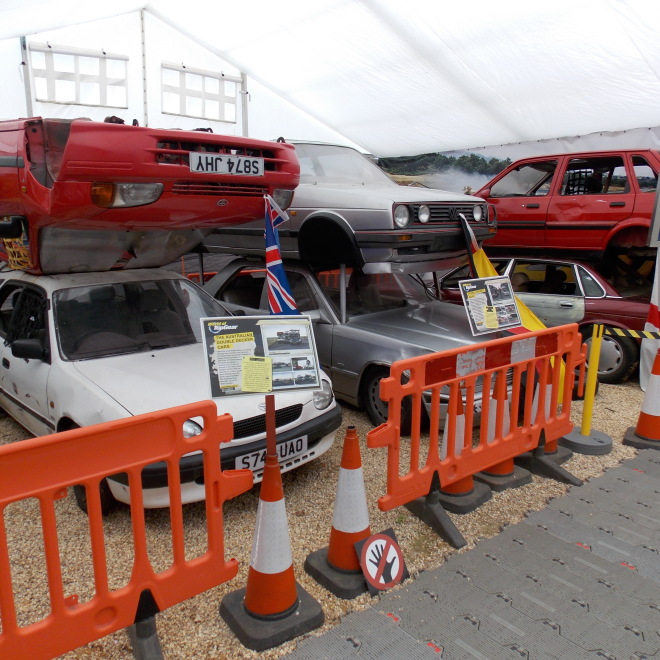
{"x":280,"y":300}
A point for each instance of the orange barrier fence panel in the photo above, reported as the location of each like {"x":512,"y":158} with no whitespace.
{"x":45,"y":467}
{"x":480,"y":408}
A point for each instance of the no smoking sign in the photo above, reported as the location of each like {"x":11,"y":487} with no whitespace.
{"x":381,"y":560}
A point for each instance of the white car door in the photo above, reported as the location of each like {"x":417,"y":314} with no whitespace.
{"x":23,"y":381}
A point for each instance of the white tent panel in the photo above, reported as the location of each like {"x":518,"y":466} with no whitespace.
{"x":402,"y":78}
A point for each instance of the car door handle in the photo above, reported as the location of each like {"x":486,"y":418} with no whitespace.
{"x":617,"y":203}
{"x":566,"y":303}
{"x":531,"y":206}
{"x":5,"y":363}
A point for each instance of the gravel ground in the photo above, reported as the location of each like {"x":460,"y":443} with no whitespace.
{"x":193,"y":629}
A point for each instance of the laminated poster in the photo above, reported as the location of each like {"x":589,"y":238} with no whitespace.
{"x":248,"y":354}
{"x":490,"y":304}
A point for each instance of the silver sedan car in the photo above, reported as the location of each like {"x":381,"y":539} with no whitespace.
{"x":363,"y":322}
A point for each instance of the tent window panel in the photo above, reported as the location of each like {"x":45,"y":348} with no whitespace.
{"x":89,"y":66}
{"x":211,"y":86}
{"x":90,"y":93}
{"x":69,"y":75}
{"x":200,"y":94}
{"x":65,"y":91}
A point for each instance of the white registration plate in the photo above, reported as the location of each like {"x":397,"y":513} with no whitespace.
{"x":209,"y":163}
{"x":285,"y":451}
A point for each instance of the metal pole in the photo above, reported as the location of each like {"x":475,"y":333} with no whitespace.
{"x":143,"y":36}
{"x":244,"y":105}
{"x":25,"y":63}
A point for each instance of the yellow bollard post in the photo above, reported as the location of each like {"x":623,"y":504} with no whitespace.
{"x":592,"y":378}
{"x":588,"y":441}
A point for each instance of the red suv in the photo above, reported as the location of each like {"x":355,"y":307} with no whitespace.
{"x":148,"y":194}
{"x":594,"y":201}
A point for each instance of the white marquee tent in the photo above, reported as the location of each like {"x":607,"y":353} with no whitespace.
{"x":392,"y":77}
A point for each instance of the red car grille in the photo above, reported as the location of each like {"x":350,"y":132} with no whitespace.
{"x":213,"y":188}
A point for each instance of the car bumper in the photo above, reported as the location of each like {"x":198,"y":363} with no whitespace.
{"x":411,"y":245}
{"x":320,"y":434}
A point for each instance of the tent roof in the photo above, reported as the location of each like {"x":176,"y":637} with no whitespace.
{"x":410,"y":77}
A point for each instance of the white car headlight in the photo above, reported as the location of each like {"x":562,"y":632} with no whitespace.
{"x":191,"y":429}
{"x":424,"y":213}
{"x":401,"y":216}
{"x":115,"y":195}
{"x":323,"y":397}
{"x":477,"y":213}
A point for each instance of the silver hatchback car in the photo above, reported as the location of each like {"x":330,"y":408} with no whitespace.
{"x":346,"y":205}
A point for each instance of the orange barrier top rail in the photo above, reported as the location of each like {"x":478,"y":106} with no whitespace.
{"x":446,"y":386}
{"x":45,"y":467}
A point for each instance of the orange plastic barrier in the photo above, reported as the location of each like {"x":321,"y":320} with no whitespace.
{"x":523,"y":415}
{"x":45,"y":467}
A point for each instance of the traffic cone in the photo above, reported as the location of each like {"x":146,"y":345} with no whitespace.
{"x":505,"y":474}
{"x":337,"y":567}
{"x":273,"y":608}
{"x":455,"y":411}
{"x":646,"y":435}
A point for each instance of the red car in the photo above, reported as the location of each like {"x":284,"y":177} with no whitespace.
{"x":150,"y":195}
{"x":560,"y":291}
{"x":580,"y":201}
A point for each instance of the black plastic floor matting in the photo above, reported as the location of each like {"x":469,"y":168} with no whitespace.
{"x":579,"y":580}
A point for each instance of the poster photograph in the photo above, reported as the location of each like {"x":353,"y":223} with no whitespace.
{"x":490,"y":304}
{"x":247,"y":354}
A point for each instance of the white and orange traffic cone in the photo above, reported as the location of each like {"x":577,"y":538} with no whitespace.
{"x":646,"y":435}
{"x":337,"y":567}
{"x":272,"y":595}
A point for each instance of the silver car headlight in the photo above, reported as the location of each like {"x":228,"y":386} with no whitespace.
{"x":424,"y":213}
{"x":323,"y":397}
{"x":401,"y":216}
{"x":191,"y":429}
{"x":478,"y":213}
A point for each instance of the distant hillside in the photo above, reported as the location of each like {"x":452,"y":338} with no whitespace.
{"x":432,"y":163}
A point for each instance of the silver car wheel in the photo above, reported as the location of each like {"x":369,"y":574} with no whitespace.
{"x":618,"y":358}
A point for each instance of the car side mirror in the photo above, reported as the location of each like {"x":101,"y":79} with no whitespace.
{"x":484,"y":193}
{"x":29,"y":349}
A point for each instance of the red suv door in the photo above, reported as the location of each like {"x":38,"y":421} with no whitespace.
{"x":596,"y":193}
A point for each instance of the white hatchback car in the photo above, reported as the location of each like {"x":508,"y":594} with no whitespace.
{"x":84,"y":348}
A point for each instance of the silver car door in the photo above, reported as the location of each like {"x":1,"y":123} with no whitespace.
{"x":553,"y":292}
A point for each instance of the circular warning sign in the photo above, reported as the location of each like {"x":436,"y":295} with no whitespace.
{"x":382,"y":561}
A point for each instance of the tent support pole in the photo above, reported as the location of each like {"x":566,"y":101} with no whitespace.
{"x":25,"y":63}
{"x":143,"y":38}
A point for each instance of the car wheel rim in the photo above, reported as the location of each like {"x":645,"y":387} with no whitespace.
{"x":377,"y":404}
{"x":610,"y":355}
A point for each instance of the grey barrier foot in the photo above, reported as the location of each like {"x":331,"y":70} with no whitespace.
{"x":261,"y":633}
{"x":343,"y":584}
{"x":144,"y":640}
{"x":429,"y":510}
{"x":549,"y":465}
{"x":437,"y":519}
{"x":596,"y":443}
{"x":500,"y":482}
{"x":631,"y":439}
{"x":465,"y":502}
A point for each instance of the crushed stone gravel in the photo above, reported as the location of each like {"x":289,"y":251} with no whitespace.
{"x":193,"y":629}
